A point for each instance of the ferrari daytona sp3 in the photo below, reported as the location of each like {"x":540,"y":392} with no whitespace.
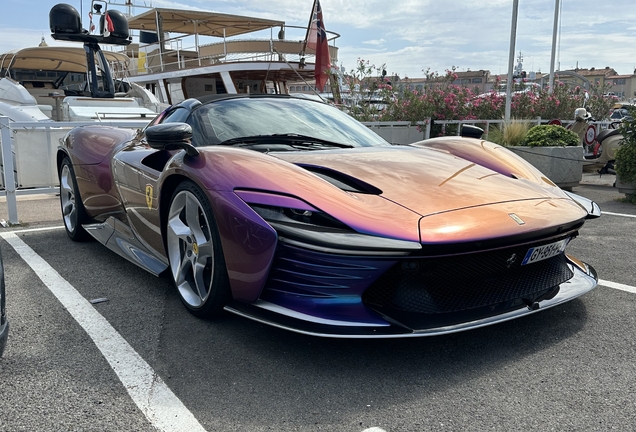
{"x":289,"y":212}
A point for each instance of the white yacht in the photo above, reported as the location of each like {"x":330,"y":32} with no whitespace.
{"x":158,"y":69}
{"x":48,"y":83}
{"x":181,"y":54}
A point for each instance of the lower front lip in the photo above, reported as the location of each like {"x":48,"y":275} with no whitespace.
{"x":584,"y":280}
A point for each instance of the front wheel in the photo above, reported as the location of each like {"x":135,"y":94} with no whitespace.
{"x":195,"y":253}
{"x":73,"y":211}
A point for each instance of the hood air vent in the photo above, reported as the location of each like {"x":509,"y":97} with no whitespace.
{"x":341,"y":180}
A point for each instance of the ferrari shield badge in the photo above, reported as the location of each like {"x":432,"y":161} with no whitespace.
{"x":149,"y":191}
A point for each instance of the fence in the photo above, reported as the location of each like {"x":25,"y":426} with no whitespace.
{"x":485,"y":124}
{"x":28,"y":156}
{"x":401,"y":132}
{"x":406,"y":133}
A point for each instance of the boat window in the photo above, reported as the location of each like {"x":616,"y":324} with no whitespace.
{"x":175,"y":92}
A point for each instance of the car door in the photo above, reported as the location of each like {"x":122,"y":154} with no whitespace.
{"x":137,"y":169}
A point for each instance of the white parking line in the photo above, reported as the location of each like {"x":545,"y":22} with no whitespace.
{"x":162,"y":408}
{"x":617,"y":286}
{"x":619,"y":214}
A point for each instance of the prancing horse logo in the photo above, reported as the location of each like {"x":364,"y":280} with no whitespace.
{"x":149,"y":196}
{"x":511,"y":260}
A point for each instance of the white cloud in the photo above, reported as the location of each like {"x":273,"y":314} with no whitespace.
{"x":374,"y":42}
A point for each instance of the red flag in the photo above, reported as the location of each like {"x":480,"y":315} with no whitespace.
{"x":318,"y":41}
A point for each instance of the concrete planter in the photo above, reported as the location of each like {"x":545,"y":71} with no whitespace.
{"x":562,"y":165}
{"x":625,"y":187}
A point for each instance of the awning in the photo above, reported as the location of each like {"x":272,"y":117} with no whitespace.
{"x":52,"y":58}
{"x":201,"y":23}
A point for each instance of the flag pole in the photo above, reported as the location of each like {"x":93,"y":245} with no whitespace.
{"x":554,"y":41}
{"x":311,"y":18}
{"x":511,"y":59}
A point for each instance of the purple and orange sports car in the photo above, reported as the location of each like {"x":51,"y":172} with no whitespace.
{"x":289,"y":212}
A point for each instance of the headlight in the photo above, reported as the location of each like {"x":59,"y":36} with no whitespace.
{"x":300,"y":218}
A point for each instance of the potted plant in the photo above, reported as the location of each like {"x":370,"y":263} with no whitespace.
{"x":626,"y":157}
{"x":555,"y":151}
{"x":509,"y":134}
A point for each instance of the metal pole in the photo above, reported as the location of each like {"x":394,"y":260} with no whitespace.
{"x":9,"y":179}
{"x":554,"y":41}
{"x":511,"y":58}
{"x":196,"y":39}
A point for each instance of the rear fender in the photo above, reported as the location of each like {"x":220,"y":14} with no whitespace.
{"x":489,"y":155}
{"x":90,"y":145}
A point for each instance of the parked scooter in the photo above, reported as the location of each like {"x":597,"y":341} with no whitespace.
{"x":598,"y":150}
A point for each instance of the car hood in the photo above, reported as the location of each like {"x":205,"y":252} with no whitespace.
{"x":426,"y":181}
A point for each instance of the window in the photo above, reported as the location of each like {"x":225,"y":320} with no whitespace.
{"x":477,"y":80}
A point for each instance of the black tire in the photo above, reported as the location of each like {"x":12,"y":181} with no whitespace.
{"x":195,"y":253}
{"x":73,"y":211}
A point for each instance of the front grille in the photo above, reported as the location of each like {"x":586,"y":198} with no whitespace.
{"x":468,"y":282}
{"x":298,"y":271}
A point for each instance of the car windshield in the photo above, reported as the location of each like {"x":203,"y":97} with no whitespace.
{"x":619,"y":113}
{"x":266,"y":118}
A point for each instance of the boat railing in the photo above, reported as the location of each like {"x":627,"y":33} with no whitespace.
{"x":149,"y":58}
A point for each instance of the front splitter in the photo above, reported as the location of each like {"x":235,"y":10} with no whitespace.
{"x":585,"y":279}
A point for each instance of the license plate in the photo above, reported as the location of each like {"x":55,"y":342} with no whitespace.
{"x":540,"y":253}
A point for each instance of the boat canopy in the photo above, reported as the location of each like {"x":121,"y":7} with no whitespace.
{"x":199,"y":22}
{"x":55,"y":58}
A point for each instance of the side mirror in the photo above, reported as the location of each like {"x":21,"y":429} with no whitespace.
{"x":593,"y":210}
{"x":171,"y":136}
{"x":471,"y":131}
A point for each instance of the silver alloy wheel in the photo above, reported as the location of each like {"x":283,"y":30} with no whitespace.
{"x":67,"y":198}
{"x":190,"y":249}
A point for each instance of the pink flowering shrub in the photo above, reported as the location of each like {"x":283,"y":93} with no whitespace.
{"x":440,"y":99}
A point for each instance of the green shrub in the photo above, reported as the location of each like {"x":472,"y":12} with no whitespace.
{"x":551,"y":135}
{"x":626,"y":163}
{"x":626,"y":153}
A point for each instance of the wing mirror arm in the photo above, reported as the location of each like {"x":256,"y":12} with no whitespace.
{"x":189,"y":148}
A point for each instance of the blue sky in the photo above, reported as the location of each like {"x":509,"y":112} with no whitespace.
{"x":410,"y":36}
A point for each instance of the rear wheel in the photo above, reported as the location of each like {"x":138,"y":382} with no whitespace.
{"x":73,"y":211}
{"x":195,"y":254}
